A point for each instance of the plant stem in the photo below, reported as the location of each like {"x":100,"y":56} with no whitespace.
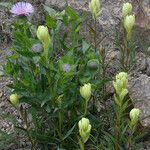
{"x":103,"y":55}
{"x":66,"y":2}
{"x":95,"y":36}
{"x":60,"y":117}
{"x":27,"y":129}
{"x":130,"y":140}
{"x":85,"y":108}
{"x":60,"y":124}
{"x":30,"y":138}
{"x":95,"y":48}
{"x":81,"y":144}
{"x":118,"y":127}
{"x":125,"y":53}
{"x":129,"y":146}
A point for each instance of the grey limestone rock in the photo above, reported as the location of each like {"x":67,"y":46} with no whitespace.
{"x":139,"y":92}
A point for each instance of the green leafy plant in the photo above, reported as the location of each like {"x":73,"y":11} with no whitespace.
{"x":124,"y":128}
{"x":56,"y":74}
{"x":48,"y":79}
{"x":125,"y":40}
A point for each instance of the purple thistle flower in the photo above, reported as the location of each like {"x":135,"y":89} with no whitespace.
{"x":66,"y":67}
{"x":22,"y":9}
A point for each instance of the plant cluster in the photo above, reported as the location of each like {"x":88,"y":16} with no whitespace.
{"x":57,"y":74}
{"x":125,"y":42}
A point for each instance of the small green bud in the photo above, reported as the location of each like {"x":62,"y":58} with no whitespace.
{"x":126,"y":9}
{"x":84,"y":129}
{"x":129,"y":22}
{"x":14,"y":99}
{"x":85,"y":91}
{"x":134,"y":116}
{"x":94,"y":7}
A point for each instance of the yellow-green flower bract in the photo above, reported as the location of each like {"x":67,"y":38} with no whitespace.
{"x":44,"y":37}
{"x":94,"y":7}
{"x":134,"y":115}
{"x":120,"y":85}
{"x":121,"y":82}
{"x":126,"y":9}
{"x":85,"y":91}
{"x":84,"y":129}
{"x":129,"y":22}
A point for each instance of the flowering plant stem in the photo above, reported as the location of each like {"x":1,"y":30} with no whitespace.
{"x":46,"y":53}
{"x":118,"y":127}
{"x":60,"y":124}
{"x":130,"y":141}
{"x":27,"y":129}
{"x":81,"y":144}
{"x":102,"y":52}
{"x":85,"y":108}
{"x":95,"y":48}
{"x":95,"y":35}
{"x":127,"y":54}
{"x":131,"y":137}
{"x":60,"y":117}
{"x":102,"y":59}
{"x":125,"y":60}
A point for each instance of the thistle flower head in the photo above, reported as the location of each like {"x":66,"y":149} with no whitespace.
{"x":66,"y":67}
{"x":37,"y":48}
{"x":93,"y":64}
{"x":22,"y":9}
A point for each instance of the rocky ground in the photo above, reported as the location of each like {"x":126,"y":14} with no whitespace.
{"x":139,"y":85}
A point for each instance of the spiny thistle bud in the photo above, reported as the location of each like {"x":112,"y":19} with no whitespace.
{"x":93,"y":64}
{"x":14,"y":99}
{"x":120,"y":85}
{"x":43,"y":36}
{"x":37,"y":48}
{"x":85,"y":91}
{"x":134,"y":116}
{"x":129,"y":22}
{"x":94,"y":7}
{"x":84,"y":129}
{"x":126,"y":9}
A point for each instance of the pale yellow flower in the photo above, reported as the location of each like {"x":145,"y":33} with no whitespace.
{"x":85,"y":91}
{"x":126,"y":9}
{"x":84,"y":129}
